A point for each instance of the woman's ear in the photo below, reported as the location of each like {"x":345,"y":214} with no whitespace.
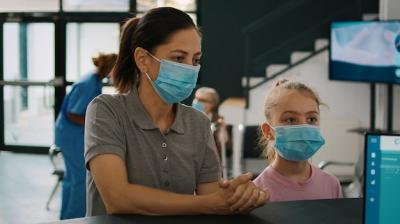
{"x":140,"y":57}
{"x":267,"y":131}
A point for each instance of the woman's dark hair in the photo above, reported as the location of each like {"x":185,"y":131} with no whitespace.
{"x":148,"y":32}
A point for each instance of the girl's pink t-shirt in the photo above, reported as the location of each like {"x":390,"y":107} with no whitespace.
{"x":320,"y":185}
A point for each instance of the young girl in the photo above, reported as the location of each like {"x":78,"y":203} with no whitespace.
{"x":290,"y":136}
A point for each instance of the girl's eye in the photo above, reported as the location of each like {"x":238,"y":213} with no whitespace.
{"x":290,"y":120}
{"x":312,"y":120}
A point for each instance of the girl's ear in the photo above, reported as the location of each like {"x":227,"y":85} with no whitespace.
{"x":267,"y":131}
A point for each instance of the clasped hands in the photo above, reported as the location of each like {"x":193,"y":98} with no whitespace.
{"x":240,"y":195}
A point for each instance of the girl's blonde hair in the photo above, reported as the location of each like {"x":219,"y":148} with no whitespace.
{"x":271,"y":100}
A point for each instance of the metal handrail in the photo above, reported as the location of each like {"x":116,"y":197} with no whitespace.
{"x":57,"y":82}
{"x":291,"y":40}
{"x":259,"y":24}
{"x":314,"y":53}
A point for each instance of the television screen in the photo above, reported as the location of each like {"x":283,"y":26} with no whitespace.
{"x":367,"y":51}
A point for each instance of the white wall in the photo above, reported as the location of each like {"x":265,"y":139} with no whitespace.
{"x":389,"y":9}
{"x":346,"y":100}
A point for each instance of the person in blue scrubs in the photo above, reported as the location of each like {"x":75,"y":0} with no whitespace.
{"x":69,"y":135}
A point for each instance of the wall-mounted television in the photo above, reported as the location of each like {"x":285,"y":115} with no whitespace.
{"x":366,"y":51}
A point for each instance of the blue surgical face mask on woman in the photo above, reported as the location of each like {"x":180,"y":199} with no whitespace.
{"x":297,"y":142}
{"x":175,"y":81}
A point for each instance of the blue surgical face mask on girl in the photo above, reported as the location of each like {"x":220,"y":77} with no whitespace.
{"x":297,"y":142}
{"x":175,"y":81}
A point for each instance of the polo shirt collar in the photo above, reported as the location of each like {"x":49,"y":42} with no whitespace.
{"x":142,"y":119}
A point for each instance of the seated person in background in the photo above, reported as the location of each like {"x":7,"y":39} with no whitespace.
{"x":290,"y":136}
{"x":207,"y":101}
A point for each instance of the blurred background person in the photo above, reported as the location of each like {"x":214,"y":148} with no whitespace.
{"x":69,"y":135}
{"x":207,"y":101}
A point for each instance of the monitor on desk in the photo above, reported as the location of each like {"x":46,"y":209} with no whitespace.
{"x":382,"y":179}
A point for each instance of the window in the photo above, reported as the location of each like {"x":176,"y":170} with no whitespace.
{"x":96,"y":5}
{"x":184,"y":5}
{"x":29,"y":51}
{"x":31,"y":125}
{"x":29,"y":5}
{"x":86,"y":40}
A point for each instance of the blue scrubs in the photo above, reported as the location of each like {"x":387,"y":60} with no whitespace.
{"x":69,"y":137}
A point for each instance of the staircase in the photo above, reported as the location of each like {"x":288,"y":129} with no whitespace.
{"x":296,"y":58}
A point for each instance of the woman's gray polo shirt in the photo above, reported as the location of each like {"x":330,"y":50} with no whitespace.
{"x":176,"y":161}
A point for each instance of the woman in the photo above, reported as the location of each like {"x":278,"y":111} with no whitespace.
{"x":147,"y":153}
{"x":69,"y":135}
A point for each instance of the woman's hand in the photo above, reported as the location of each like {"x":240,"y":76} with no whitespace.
{"x":217,"y":202}
{"x":238,"y":196}
{"x":246,"y":197}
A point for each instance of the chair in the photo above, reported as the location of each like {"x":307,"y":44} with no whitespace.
{"x":352,"y":188}
{"x":225,"y":147}
{"x":252,"y":153}
{"x":55,"y":154}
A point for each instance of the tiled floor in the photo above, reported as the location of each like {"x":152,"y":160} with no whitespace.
{"x":25,"y":185}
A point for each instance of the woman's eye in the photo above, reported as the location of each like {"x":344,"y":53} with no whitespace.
{"x":179,"y":59}
{"x":196,"y":62}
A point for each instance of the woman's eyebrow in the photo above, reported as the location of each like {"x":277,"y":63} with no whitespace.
{"x":184,"y":52}
{"x":179,"y":51}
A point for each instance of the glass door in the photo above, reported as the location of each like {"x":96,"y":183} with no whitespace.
{"x":46,"y":46}
{"x":28,"y":83}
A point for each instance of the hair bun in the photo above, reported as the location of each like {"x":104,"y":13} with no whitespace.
{"x":95,"y":61}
